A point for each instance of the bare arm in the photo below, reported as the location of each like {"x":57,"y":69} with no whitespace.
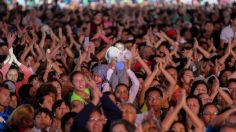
{"x":172,"y":113}
{"x":227,"y":53}
{"x":42,"y":42}
{"x":197,"y":122}
{"x":146,"y":85}
{"x":170,"y":79}
{"x":199,"y":48}
{"x":136,"y":55}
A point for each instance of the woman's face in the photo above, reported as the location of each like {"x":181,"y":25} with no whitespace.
{"x":209,"y":27}
{"x":36,"y":83}
{"x":12,"y":75}
{"x":225,"y":76}
{"x":178,"y":127}
{"x":97,"y":78}
{"x":13,"y":102}
{"x":57,"y":86}
{"x":42,"y":121}
{"x":48,"y":101}
{"x":62,"y":110}
{"x":188,"y":77}
{"x":68,"y":125}
{"x":30,"y":61}
{"x":173,"y":73}
{"x":194,"y":105}
{"x":79,"y":82}
{"x":98,"y":18}
{"x":205,"y":98}
{"x":208,"y":67}
{"x":200,"y":89}
{"x":96,"y":122}
{"x":122,"y":93}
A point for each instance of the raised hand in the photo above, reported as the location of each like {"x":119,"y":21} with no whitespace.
{"x":182,"y":99}
{"x":134,"y":51}
{"x":216,"y":85}
{"x":10,"y":39}
{"x":196,"y":45}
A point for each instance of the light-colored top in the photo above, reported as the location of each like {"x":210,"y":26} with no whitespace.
{"x":135,"y":83}
{"x":227,"y":34}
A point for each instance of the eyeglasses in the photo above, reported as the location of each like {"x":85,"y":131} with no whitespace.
{"x":102,"y":119}
{"x":210,"y":113}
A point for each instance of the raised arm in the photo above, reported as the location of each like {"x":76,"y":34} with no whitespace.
{"x":169,"y":78}
{"x":135,"y":86}
{"x":172,"y":113}
{"x":42,"y":42}
{"x":136,"y":55}
{"x":25,"y":53}
{"x":199,"y":48}
{"x":197,"y":122}
{"x":227,"y":53}
{"x":146,"y":85}
{"x":219,"y":120}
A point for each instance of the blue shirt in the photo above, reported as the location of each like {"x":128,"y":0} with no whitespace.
{"x":5,"y":116}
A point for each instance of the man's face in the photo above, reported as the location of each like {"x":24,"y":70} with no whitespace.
{"x":232,"y":89}
{"x":128,"y":113}
{"x":209,"y":114}
{"x":154,"y":101}
{"x":4,"y":97}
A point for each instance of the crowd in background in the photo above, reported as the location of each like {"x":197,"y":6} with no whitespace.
{"x":118,"y":69}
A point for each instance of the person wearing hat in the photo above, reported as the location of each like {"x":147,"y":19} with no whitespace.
{"x":99,"y":75}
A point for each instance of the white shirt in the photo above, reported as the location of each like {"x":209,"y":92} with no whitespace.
{"x":227,"y":34}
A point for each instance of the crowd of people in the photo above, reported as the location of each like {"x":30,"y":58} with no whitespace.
{"x":118,"y":69}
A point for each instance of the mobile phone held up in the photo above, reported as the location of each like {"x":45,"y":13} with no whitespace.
{"x":86,"y":41}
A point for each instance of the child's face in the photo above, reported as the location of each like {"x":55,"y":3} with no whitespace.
{"x":42,"y":121}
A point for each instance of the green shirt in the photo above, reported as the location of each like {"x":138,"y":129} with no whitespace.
{"x":75,"y":96}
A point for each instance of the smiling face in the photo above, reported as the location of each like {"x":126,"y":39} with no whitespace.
{"x":122,"y":93}
{"x":79,"y":82}
{"x":12,"y":75}
{"x":209,"y":114}
{"x":96,"y":122}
